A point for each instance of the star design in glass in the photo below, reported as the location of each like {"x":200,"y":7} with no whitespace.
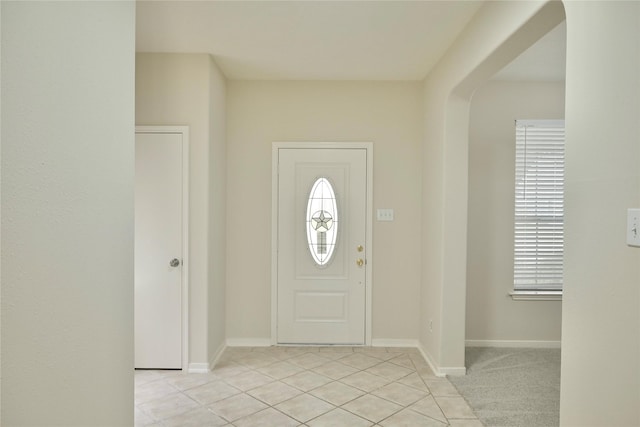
{"x":321,"y":221}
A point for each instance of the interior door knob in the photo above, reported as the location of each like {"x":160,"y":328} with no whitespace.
{"x":360,"y":262}
{"x":174,"y":262}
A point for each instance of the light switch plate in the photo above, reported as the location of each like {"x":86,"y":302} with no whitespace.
{"x":633,"y":227}
{"x":385,"y":215}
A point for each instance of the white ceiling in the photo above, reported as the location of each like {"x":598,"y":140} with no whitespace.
{"x":307,"y":40}
{"x":320,"y":40}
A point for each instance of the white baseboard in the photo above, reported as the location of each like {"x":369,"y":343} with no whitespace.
{"x":453,"y":371}
{"x":427,"y":357}
{"x":382,"y":342}
{"x":441,"y":371}
{"x":198,"y":368}
{"x":248,"y":342}
{"x":513,"y":343}
{"x":216,"y":357}
{"x":438,"y":371}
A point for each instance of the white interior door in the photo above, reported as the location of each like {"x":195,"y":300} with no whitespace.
{"x":158,"y":251}
{"x":321,"y":286}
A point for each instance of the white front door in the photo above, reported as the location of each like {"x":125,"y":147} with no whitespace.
{"x":158,"y":251}
{"x":321,"y":245}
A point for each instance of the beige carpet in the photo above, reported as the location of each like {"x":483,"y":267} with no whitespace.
{"x":512,"y":386}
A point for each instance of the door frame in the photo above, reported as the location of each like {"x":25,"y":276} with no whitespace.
{"x":184,"y":132}
{"x":368,"y":253}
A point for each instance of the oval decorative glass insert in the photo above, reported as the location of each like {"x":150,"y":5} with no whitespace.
{"x":322,"y":221}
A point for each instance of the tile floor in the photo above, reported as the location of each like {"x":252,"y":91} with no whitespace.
{"x":303,"y":386}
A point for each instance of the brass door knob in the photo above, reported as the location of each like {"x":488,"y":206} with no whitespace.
{"x":360,"y":262}
{"x":360,"y":248}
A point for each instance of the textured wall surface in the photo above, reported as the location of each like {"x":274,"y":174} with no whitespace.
{"x":67,"y":213}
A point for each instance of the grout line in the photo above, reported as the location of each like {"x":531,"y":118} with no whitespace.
{"x":231,"y":357}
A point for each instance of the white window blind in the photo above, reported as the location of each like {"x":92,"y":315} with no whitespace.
{"x":539,"y":205}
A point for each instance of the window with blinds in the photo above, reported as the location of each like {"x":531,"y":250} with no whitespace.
{"x":539,"y":205}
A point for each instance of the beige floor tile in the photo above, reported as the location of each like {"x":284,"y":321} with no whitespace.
{"x":153,"y":390}
{"x":168,"y":406}
{"x":199,"y":417}
{"x":248,"y":380}
{"x":336,"y":349}
{"x":425,"y":372}
{"x":339,"y":417}
{"x":281,"y":369}
{"x":377,"y":352}
{"x":279,"y":353}
{"x":418,"y":361}
{"x":186,"y":381}
{"x":255,"y":360}
{"x":234,"y":351}
{"x":360,"y":361}
{"x":236,"y":407}
{"x":404,"y":361}
{"x":212,"y":392}
{"x":142,"y":376}
{"x":409,"y":418}
{"x":369,"y":349}
{"x":334,"y":370}
{"x":141,"y":419}
{"x":283,"y":356}
{"x":272,"y":350}
{"x":407,"y":350}
{"x":229,"y":369}
{"x":266,"y":418}
{"x":304,"y":407}
{"x":389,"y":371}
{"x":168,"y":373}
{"x":334,"y":356}
{"x":365,"y":381}
{"x":465,"y":423}
{"x":304,"y":385}
{"x":400,"y":394}
{"x":260,"y":348}
{"x":414,"y":380}
{"x":229,"y":355}
{"x":308,"y":360}
{"x":454,"y":407}
{"x":306,"y":380}
{"x":430,"y":408}
{"x":274,"y":393}
{"x":372,"y":408}
{"x":337,"y":393}
{"x":441,"y":387}
{"x":294,"y":351}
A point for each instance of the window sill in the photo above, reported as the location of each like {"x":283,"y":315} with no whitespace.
{"x":536,"y":295}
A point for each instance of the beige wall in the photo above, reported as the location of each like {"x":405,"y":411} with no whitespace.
{"x":188,"y":89}
{"x":498,"y":33}
{"x":601,"y":306}
{"x":600,"y":311}
{"x":387,"y":114}
{"x":491,"y":315}
{"x":0,"y":214}
{"x":217,"y":262}
{"x":67,"y":213}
